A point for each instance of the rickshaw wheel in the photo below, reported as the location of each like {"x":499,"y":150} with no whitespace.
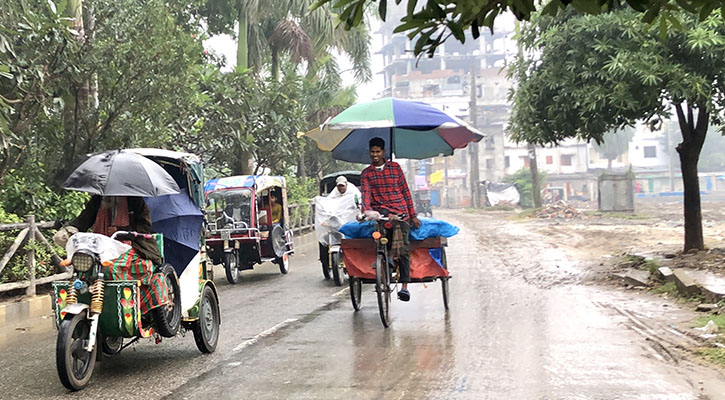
{"x":338,"y":273}
{"x":231,"y":268}
{"x":283,"y":263}
{"x":382,"y":287}
{"x":167,"y":318}
{"x":356,"y":293}
{"x":111,"y":345}
{"x":206,"y":328}
{"x":279,"y":243}
{"x":74,"y":363}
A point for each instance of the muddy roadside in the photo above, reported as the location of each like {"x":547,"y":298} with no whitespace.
{"x":586,"y":247}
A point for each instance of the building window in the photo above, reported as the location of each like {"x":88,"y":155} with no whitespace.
{"x":549,"y":160}
{"x":650,"y":151}
{"x":525,"y":160}
{"x":489,"y":143}
{"x":507,"y":161}
{"x":566,"y":159}
{"x":489,"y":163}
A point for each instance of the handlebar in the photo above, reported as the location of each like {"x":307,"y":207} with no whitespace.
{"x":125,"y":235}
{"x":401,"y":217}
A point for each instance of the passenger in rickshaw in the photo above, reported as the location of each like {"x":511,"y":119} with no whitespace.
{"x":385,"y":190}
{"x":276,"y":209}
{"x":344,"y":188}
{"x":109,"y":214}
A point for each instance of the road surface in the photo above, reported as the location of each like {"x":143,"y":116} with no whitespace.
{"x":523,"y":324}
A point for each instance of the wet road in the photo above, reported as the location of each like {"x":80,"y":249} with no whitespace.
{"x":521,"y":326}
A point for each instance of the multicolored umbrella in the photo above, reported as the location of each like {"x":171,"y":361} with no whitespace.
{"x":411,"y":129}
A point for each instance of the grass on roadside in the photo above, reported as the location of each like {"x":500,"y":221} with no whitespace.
{"x":526,"y":214}
{"x":715,"y":355}
{"x":616,"y":214}
{"x":668,"y":288}
{"x":718,"y":319}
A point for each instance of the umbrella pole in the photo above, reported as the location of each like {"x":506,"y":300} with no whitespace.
{"x":392,"y":144}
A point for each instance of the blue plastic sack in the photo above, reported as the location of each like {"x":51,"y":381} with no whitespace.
{"x":358,"y":230}
{"x":430,"y":228}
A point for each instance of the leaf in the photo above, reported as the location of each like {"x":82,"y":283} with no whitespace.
{"x":587,"y":6}
{"x":411,"y":6}
{"x":382,"y":9}
{"x":457,"y":31}
{"x":62,"y":5}
{"x":51,"y":5}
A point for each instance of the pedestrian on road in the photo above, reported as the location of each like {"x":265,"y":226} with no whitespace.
{"x":385,"y":190}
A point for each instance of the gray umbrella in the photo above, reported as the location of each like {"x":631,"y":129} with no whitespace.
{"x":121,"y":173}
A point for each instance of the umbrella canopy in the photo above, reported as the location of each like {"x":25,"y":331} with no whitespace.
{"x":121,"y":173}
{"x":411,"y":129}
{"x":180,"y":221}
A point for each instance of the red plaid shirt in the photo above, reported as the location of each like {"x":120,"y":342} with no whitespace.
{"x":386,"y":188}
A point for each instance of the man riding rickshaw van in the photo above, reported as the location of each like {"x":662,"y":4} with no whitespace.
{"x":141,"y":272}
{"x":248,"y":221}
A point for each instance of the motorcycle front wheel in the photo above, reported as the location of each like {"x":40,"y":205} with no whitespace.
{"x":74,"y":363}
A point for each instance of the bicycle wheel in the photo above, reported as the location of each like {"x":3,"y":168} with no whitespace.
{"x":356,"y":293}
{"x":382,"y":287}
{"x":444,"y":280}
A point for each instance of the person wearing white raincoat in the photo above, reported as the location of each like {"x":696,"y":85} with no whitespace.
{"x":344,"y":188}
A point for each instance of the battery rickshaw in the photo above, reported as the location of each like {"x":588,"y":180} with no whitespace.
{"x":327,"y":221}
{"x":97,"y":315}
{"x":248,"y":223}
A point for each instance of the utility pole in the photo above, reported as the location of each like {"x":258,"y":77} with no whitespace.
{"x":446,"y":203}
{"x":670,"y":150}
{"x":475,"y":198}
{"x":534,"y":168}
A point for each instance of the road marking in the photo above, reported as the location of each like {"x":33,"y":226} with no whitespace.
{"x":270,"y":331}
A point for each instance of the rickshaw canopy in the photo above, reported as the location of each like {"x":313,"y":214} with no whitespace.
{"x":257,"y":182}
{"x":187,"y":163}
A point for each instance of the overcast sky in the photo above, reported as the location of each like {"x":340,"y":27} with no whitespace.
{"x":226,"y":46}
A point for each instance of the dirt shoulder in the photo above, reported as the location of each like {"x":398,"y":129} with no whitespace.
{"x":588,"y":248}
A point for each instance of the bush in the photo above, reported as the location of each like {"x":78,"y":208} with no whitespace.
{"x":522,"y":180}
{"x":300,"y":190}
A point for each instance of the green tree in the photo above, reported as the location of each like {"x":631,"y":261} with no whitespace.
{"x":614,"y":144}
{"x":434,"y":21}
{"x":523,"y":181}
{"x":595,"y":74}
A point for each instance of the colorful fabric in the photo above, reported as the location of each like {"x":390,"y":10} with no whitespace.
{"x":386,"y":189}
{"x":129,"y":266}
{"x":112,"y":216}
{"x":410,"y":129}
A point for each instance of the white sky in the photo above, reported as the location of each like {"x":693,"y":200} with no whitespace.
{"x":225,"y":45}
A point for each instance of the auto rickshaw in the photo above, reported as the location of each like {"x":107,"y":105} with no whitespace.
{"x":421,"y":201}
{"x":331,"y":259}
{"x":94,"y":312}
{"x":242,"y":230}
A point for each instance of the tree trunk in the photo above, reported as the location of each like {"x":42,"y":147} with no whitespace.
{"x":242,"y":42}
{"x":75,"y":112}
{"x":275,"y":63}
{"x":534,"y":168}
{"x":693,"y":137}
{"x":301,"y":170}
{"x":609,"y":164}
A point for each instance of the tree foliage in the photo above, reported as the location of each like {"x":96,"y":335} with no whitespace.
{"x":587,"y":75}
{"x":432,"y":22}
{"x":614,"y":144}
